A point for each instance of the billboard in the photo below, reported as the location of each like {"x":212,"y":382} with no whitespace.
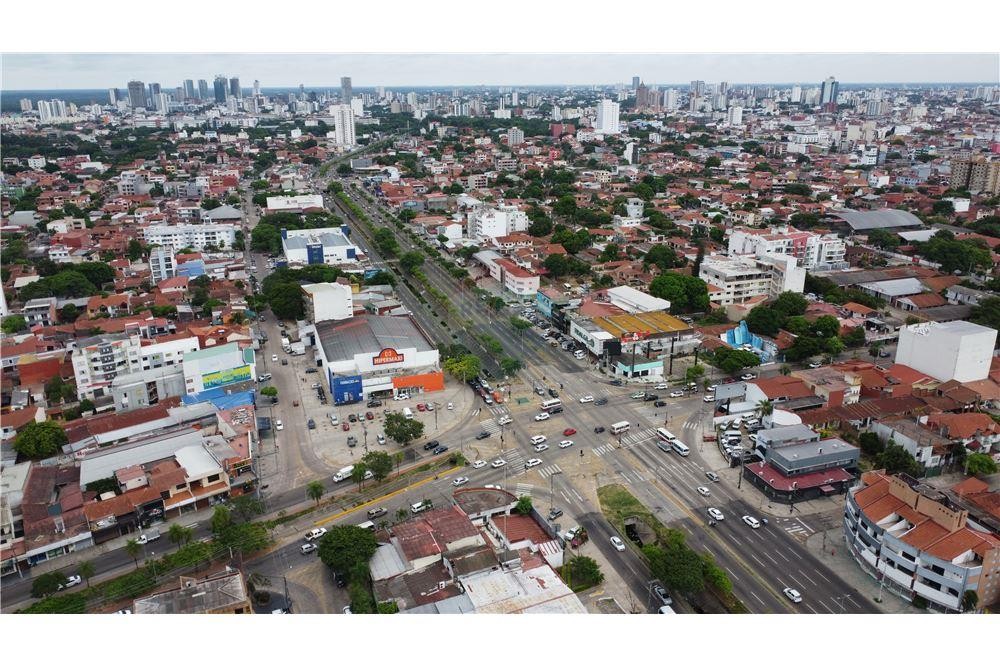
{"x":633,"y":336}
{"x":228,"y":376}
{"x":387,"y":356}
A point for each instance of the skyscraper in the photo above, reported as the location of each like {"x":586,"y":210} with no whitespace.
{"x":113,"y":95}
{"x":25,"y":104}
{"x":154,"y":90}
{"x":234,"y":88}
{"x":220,"y":89}
{"x":635,"y":83}
{"x":44,"y":111}
{"x":161,"y":102}
{"x":136,"y":94}
{"x":343,"y":119}
{"x":607,"y":117}
{"x":515,"y":137}
{"x":188,"y":88}
{"x":670,"y":99}
{"x":256,"y":88}
{"x":202,"y":89}
{"x":828,"y":96}
{"x":345,"y":90}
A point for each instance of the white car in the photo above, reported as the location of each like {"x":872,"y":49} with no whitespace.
{"x":495,"y":487}
{"x":274,"y":357}
{"x":347,"y":609}
{"x":751,"y":521}
{"x":538,"y":439}
{"x":503,"y":421}
{"x":709,"y":398}
{"x":499,"y":463}
{"x":459,"y":481}
{"x":278,"y":425}
{"x":662,"y":385}
{"x":531,"y":463}
{"x":587,"y":399}
{"x":565,"y":443}
{"x":541,"y":448}
{"x":479,"y":464}
{"x":542,"y":416}
{"x":703,"y":490}
{"x":792,"y":595}
{"x":676,"y":394}
{"x":315,"y":534}
{"x":430,"y":407}
{"x":715,"y":514}
{"x":712,"y":387}
{"x":814,"y":364}
{"x":381,"y":439}
{"x":451,"y":406}
{"x":617,"y":543}
{"x":71,"y":580}
{"x":747,"y":376}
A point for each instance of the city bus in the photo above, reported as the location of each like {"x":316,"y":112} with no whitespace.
{"x":619,"y":427}
{"x":680,"y":448}
{"x":548,"y":405}
{"x":665,"y":435}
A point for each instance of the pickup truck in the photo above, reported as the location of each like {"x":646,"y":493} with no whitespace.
{"x":150,"y":535}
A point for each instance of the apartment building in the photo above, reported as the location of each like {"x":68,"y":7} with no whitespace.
{"x":487,"y":223}
{"x":738,"y":279}
{"x":99,"y":359}
{"x":976,"y":174}
{"x":328,"y":301}
{"x":176,"y":237}
{"x":911,"y":539}
{"x":815,"y":252}
{"x":161,"y":264}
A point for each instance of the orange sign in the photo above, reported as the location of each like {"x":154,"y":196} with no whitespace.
{"x":387,"y":356}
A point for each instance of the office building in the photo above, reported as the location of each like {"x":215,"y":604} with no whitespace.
{"x":137,"y":94}
{"x":917,"y":543}
{"x":188,"y":88}
{"x":326,"y":245}
{"x":515,"y":137}
{"x":346,"y":94}
{"x":234,"y":88}
{"x":828,"y":94}
{"x":607,"y":117}
{"x":697,"y":89}
{"x":220,"y":89}
{"x":670,"y":100}
{"x":343,"y":119}
{"x":202,"y":89}
{"x":256,"y":88}
{"x":113,"y":96}
{"x":635,"y":82}
{"x":161,"y":102}
{"x":152,"y":92}
{"x":959,"y":350}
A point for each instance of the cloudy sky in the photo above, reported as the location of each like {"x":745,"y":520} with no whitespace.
{"x":90,"y":70}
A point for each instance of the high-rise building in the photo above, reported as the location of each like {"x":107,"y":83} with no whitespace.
{"x":256,"y":88}
{"x":234,"y":88}
{"x":697,"y":88}
{"x":345,"y":90}
{"x":58,"y":108}
{"x":796,"y":96}
{"x":25,"y":105}
{"x":113,"y":95}
{"x":607,"y":117}
{"x":975,"y":174}
{"x":515,"y":136}
{"x":556,"y":113}
{"x":735,"y":116}
{"x":161,"y":103}
{"x":723,"y":87}
{"x":44,"y":111}
{"x":828,"y":94}
{"x":220,"y":89}
{"x":635,"y":83}
{"x":154,"y":90}
{"x":343,"y":119}
{"x":188,"y":88}
{"x":670,"y":99}
{"x":202,"y":89}
{"x":136,"y":94}
{"x":358,"y":106}
{"x":641,"y":97}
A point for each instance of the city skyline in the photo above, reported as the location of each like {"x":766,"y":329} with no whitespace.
{"x":84,"y":71}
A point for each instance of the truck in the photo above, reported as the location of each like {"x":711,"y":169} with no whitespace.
{"x":285,"y":342}
{"x":298,"y":348}
{"x":343,"y":474}
{"x":151,"y":535}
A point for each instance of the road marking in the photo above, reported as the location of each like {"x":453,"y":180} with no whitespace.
{"x":778,"y":551}
{"x":758,"y":560}
{"x":758,"y":599}
{"x":825,"y":607}
{"x":732,"y":574}
{"x":805,"y":526}
{"x":627,"y":480}
{"x":808,"y":578}
{"x":563,"y":494}
{"x":770,"y":558}
{"x":577,"y":494}
{"x":810,"y":608}
{"x":851,"y":600}
{"x":824,"y":578}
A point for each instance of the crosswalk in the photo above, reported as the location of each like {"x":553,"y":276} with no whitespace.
{"x":549,"y":470}
{"x":796,"y":528}
{"x":523,"y":490}
{"x":693,"y":422}
{"x":490,"y":426}
{"x":635,"y":437}
{"x":514,"y":458}
{"x":603,"y":450}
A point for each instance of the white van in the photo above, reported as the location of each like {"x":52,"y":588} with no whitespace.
{"x":580,"y":354}
{"x":343,"y":473}
{"x":408,"y":413}
{"x":418,"y":507}
{"x":367,"y":525}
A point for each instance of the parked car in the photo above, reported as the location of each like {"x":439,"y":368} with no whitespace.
{"x":421,"y":407}
{"x":440,"y":450}
{"x":315,"y":534}
{"x":709,"y":398}
{"x":531,"y":463}
{"x":650,"y":397}
{"x":352,"y":418}
{"x":482,"y":435}
{"x":659,"y":404}
{"x":662,"y":385}
{"x":430,"y":444}
{"x":587,"y":399}
{"x":429,"y":407}
{"x":569,"y":431}
{"x":479,"y":464}
{"x":542,"y":416}
{"x":451,"y":406}
{"x":498,"y":463}
{"x":380,"y":439}
{"x":538,"y":439}
{"x":617,"y":543}
{"x":662,"y":595}
{"x":676,"y":394}
{"x":598,"y":429}
{"x":747,"y":376}
{"x":311,"y":424}
{"x":278,"y":426}
{"x":71,"y":581}
{"x":553,"y":393}
{"x":565,"y":443}
{"x":555,"y":513}
{"x":638,"y":395}
{"x":541,"y":448}
{"x":601,"y":401}
{"x":308,"y":548}
{"x":459,"y":481}
{"x":370,"y":416}
{"x":345,"y":427}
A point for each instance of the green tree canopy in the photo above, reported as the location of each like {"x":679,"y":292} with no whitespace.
{"x":344,"y":548}
{"x":379,"y":463}
{"x":464,"y":367}
{"x":401,"y":429}
{"x":980,"y":464}
{"x":686,"y":294}
{"x":411,"y":261}
{"x":13,"y":324}
{"x":39,"y":440}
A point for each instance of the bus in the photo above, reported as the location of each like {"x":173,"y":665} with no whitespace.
{"x":619,"y":427}
{"x":665,"y":435}
{"x":680,"y":448}
{"x":551,"y":403}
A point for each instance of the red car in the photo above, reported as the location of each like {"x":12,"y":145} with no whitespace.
{"x":421,"y":407}
{"x":345,"y":427}
{"x":369,"y":416}
{"x":569,"y":431}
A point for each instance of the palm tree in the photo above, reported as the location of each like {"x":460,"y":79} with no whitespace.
{"x":132,"y":548}
{"x":785,"y":369}
{"x":765,"y":407}
{"x":401,"y":514}
{"x":398,"y":458}
{"x":179,"y":534}
{"x":315,"y":491}
{"x":87,"y":570}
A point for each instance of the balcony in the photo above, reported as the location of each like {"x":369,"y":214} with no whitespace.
{"x":901,"y":577}
{"x":934,"y":595}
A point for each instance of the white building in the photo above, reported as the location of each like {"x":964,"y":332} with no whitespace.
{"x":735,"y":116}
{"x":489,"y":223}
{"x":161,"y":264}
{"x":325,"y":245}
{"x":343,"y":120}
{"x":634,"y":301}
{"x":98,"y":360}
{"x":960,"y":351}
{"x":329,"y":301}
{"x":607,"y":117}
{"x":176,"y":237}
{"x":294,"y":204}
{"x":218,"y":366}
{"x":815,"y":252}
{"x":515,"y":136}
{"x":738,"y":279}
{"x":132,"y":183}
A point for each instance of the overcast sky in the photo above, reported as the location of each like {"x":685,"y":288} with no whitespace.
{"x":56,"y":71}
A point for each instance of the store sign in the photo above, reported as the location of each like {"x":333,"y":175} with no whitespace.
{"x":633,"y":336}
{"x":387,"y":356}
{"x":228,"y":376}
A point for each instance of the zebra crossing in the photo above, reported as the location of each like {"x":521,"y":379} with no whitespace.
{"x":693,"y":422}
{"x":490,"y":426}
{"x":523,"y":490}
{"x":603,"y":449}
{"x":547,"y":471}
{"x":797,"y":528}
{"x":635,"y":437}
{"x":514,"y":458}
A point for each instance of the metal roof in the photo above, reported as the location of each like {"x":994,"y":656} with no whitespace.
{"x":369,"y":334}
{"x":885,"y":218}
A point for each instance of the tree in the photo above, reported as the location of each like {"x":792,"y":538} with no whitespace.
{"x":686,"y":294}
{"x":246,"y":507}
{"x":790,"y":303}
{"x":411,"y":261}
{"x":132,"y":548}
{"x":732,"y":361}
{"x":523,"y":505}
{"x":315,"y":491}
{"x":582,"y":572}
{"x":520,"y":325}
{"x":987,"y":312}
{"x":980,"y":464}
{"x":970,"y":600}
{"x":694,"y":372}
{"x":765,"y":407}
{"x":379,"y":463}
{"x":510,"y":365}
{"x":40,"y":440}
{"x":14,"y":324}
{"x":286,"y":301}
{"x":610,"y":253}
{"x":269,"y":391}
{"x":69,"y":314}
{"x":135,"y":250}
{"x":401,"y":429}
{"x":556,"y":265}
{"x":397,"y":458}
{"x":346,"y":547}
{"x":896,"y":459}
{"x":358,"y":474}
{"x":179,"y":534}
{"x":943,"y":207}
{"x":344,"y":169}
{"x":386,"y":241}
{"x":464,"y":367}
{"x":662,"y":256}
{"x":47,"y":583}
{"x":764,"y":320}
{"x":676,"y":565}
{"x":870,"y":443}
{"x":87,"y":570}
{"x":222,"y":519}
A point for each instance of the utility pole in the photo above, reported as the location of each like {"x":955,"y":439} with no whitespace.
{"x":552,"y":503}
